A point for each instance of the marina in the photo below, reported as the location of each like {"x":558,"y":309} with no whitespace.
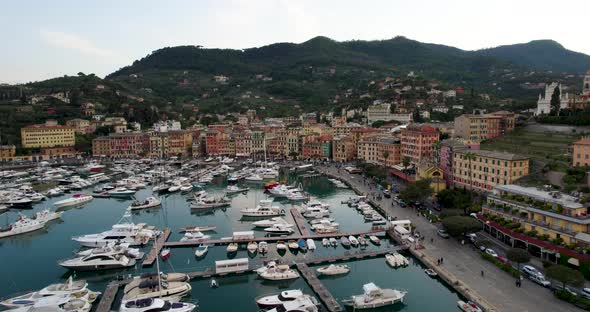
{"x":174,"y":217}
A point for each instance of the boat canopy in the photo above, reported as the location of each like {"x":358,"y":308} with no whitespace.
{"x":371,"y":288}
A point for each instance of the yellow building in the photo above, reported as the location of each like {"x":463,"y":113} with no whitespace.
{"x":481,"y":170}
{"x":343,"y":149}
{"x":49,"y":134}
{"x":7,"y":152}
{"x":81,"y":126}
{"x":581,"y":153}
{"x":551,"y":213}
{"x":435,"y":174}
{"x":380,"y":150}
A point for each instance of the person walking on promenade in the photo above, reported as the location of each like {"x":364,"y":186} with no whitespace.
{"x":481,"y":273}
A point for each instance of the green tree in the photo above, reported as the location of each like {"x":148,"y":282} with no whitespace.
{"x":406,"y":162}
{"x":518,"y":255}
{"x":555,"y":101}
{"x":565,"y":275}
{"x":385,"y":155}
{"x":460,"y":225}
{"x":416,"y":191}
{"x":104,"y":130}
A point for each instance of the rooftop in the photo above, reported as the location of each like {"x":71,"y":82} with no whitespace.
{"x":494,"y":154}
{"x":585,"y":141}
{"x":565,"y":200}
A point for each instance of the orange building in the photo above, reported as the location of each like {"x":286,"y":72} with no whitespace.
{"x":581,"y":153}
{"x":478,"y":128}
{"x":343,"y":149}
{"x":417,"y":142}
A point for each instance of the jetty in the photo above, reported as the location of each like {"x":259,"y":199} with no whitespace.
{"x":158,"y":245}
{"x":318,"y":288}
{"x":108,"y":296}
{"x":299,"y":221}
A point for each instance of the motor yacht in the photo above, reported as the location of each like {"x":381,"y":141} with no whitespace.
{"x":203,"y":228}
{"x":234,"y":189}
{"x":21,"y":226}
{"x":127,"y":233}
{"x":270,"y":222}
{"x":59,"y":303}
{"x":155,"y":304}
{"x":149,"y":202}
{"x":375,"y":297}
{"x":134,"y":253}
{"x":277,"y":300}
{"x":70,"y":287}
{"x":316,"y":212}
{"x":195,"y":236}
{"x":334,"y":269}
{"x":121,"y":192}
{"x":468,"y":306}
{"x":98,"y":262}
{"x":254,"y":178}
{"x":210,"y":203}
{"x":19,"y":202}
{"x":185,"y":188}
{"x":279,"y":229}
{"x":277,"y":272}
{"x":263,"y":209}
{"x":46,"y":215}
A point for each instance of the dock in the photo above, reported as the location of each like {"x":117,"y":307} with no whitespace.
{"x":318,"y":288}
{"x":299,"y":221}
{"x":107,"y":298}
{"x":158,"y":245}
{"x":270,"y":239}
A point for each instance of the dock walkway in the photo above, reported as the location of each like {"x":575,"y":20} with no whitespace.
{"x":319,"y":288}
{"x":299,"y":221}
{"x":155,"y":251}
{"x":107,"y":298}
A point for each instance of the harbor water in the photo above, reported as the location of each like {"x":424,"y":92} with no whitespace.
{"x":29,"y":262}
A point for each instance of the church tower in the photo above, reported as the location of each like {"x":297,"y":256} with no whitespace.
{"x":586,"y":86}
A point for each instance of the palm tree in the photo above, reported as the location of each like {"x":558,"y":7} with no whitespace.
{"x":470,"y":156}
{"x":385,"y":157}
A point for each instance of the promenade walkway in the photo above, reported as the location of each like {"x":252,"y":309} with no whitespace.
{"x":497,"y":287}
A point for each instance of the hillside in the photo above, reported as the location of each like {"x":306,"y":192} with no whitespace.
{"x":543,"y":55}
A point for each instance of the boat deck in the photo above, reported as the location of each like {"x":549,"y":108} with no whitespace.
{"x":155,"y":251}
{"x":299,"y":221}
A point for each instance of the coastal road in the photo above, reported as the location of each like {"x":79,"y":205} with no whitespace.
{"x":465,"y":262}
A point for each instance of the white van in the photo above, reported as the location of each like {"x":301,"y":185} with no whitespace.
{"x":540,"y":279}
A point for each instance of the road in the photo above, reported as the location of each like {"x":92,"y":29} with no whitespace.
{"x":465,"y":262}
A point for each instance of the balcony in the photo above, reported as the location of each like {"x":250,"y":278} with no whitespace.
{"x":525,"y":219}
{"x":559,"y":212}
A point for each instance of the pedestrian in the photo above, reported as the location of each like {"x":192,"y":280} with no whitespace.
{"x":481,"y":273}
{"x":441,"y":260}
{"x":432,"y":240}
{"x":517,"y":281}
{"x":437,"y":261}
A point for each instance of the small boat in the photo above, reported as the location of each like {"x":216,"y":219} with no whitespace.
{"x":431,"y":272}
{"x":213,"y":283}
{"x":344,"y":241}
{"x":293,"y":244}
{"x":232,"y":247}
{"x":468,"y":306}
{"x":310,"y":244}
{"x":234,"y":189}
{"x":263,"y":247}
{"x":186,"y":188}
{"x":375,"y":240}
{"x":76,"y":200}
{"x":270,"y":222}
{"x":333,"y":242}
{"x":149,"y":202}
{"x":155,"y":304}
{"x":174,"y":188}
{"x":165,"y":254}
{"x":325,"y":242}
{"x":121,"y":192}
{"x":194,"y":237}
{"x":254,"y":178}
{"x":201,"y":251}
{"x":277,"y":300}
{"x":281,"y":245}
{"x":279,"y":229}
{"x":375,"y":297}
{"x":334,"y":269}
{"x":302,"y":245}
{"x":353,"y":241}
{"x":204,"y":228}
{"x":396,"y":260}
{"x":252,"y":247}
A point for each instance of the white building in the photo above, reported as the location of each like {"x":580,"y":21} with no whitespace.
{"x":167,"y":125}
{"x":450,"y":94}
{"x":440,"y":109}
{"x":544,"y":102}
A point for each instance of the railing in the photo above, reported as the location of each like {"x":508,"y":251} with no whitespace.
{"x":533,"y":221}
{"x":529,"y":207}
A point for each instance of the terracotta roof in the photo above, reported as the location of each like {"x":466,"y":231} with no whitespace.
{"x":585,"y":141}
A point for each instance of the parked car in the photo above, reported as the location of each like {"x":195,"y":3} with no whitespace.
{"x":491,"y":252}
{"x":540,"y":279}
{"x":443,"y":233}
{"x":559,"y":286}
{"x":585,"y":293}
{"x":503,"y":260}
{"x":471,"y":237}
{"x":530,"y":270}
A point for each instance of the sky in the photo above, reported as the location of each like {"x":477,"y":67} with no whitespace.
{"x":45,"y":39}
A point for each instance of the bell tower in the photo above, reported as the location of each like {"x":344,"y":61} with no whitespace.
{"x":586,"y":86}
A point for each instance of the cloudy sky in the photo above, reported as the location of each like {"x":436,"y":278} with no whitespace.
{"x":44,"y":39}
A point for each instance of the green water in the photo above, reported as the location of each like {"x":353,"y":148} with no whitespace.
{"x":28,"y":262}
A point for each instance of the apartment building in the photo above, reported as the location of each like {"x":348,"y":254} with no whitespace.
{"x":50,"y":134}
{"x":417,"y":142}
{"x":180,"y":142}
{"x":478,"y":128}
{"x":343,"y":149}
{"x":481,"y":170}
{"x":581,"y":153}
{"x":81,"y":126}
{"x":122,"y":145}
{"x":559,"y":216}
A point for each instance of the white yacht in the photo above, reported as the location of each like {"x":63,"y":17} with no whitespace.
{"x":127,"y":233}
{"x":270,"y":222}
{"x":121,"y":192}
{"x":375,"y":297}
{"x":46,"y":215}
{"x":156,"y":289}
{"x":149,"y":202}
{"x":155,"y":304}
{"x":302,"y":304}
{"x":194,"y":236}
{"x":58,"y":303}
{"x":76,"y":200}
{"x":279,"y":229}
{"x":134,"y":253}
{"x":70,"y":287}
{"x":264,"y":209}
{"x":234,"y":189}
{"x":98,"y":262}
{"x":254,"y":178}
{"x":334,"y":269}
{"x":201,"y":251}
{"x":316,"y":212}
{"x":277,"y":272}
{"x":396,"y":260}
{"x":21,"y":226}
{"x":277,"y":300}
